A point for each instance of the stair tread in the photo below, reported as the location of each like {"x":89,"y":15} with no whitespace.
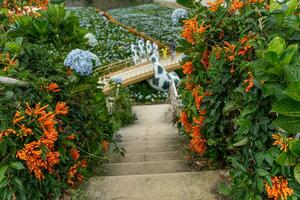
{"x":167,"y":186}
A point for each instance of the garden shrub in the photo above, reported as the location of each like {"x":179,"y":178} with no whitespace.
{"x":55,"y":122}
{"x":240,"y":96}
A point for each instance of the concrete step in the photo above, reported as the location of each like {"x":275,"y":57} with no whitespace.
{"x":150,"y":143}
{"x":152,"y":149}
{"x":170,"y":186}
{"x":146,"y":157}
{"x":142,"y":138}
{"x":153,"y":167}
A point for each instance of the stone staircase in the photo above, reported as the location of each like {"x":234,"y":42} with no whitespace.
{"x":153,"y":166}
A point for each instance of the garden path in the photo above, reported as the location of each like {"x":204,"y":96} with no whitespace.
{"x":153,"y":167}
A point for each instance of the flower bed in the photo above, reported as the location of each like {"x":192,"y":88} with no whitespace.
{"x":113,"y":41}
{"x":240,"y":96}
{"x":151,"y":19}
{"x":48,"y":134}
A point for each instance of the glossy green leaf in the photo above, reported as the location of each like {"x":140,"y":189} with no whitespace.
{"x":293,"y":91}
{"x":2,"y":172}
{"x":277,"y":45}
{"x":241,"y":142}
{"x":292,"y":72}
{"x":17,"y":165}
{"x":286,"y":159}
{"x":287,"y":107}
{"x":290,"y":52}
{"x":294,"y":146}
{"x":186,"y":3}
{"x":289,"y":124}
{"x":297,"y":172}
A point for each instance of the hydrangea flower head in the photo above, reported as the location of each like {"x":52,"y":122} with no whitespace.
{"x":178,"y":14}
{"x":82,"y":61}
{"x":92,"y":40}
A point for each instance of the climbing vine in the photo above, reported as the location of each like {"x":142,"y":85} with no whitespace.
{"x":239,"y":93}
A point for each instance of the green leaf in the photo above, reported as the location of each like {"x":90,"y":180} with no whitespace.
{"x":274,"y":5}
{"x":287,"y":107}
{"x":292,"y":6}
{"x":277,"y":45}
{"x":273,"y":89}
{"x":289,"y":124}
{"x":286,"y":159}
{"x":297,"y":172}
{"x":241,"y":142}
{"x":262,"y":172}
{"x":289,"y":54}
{"x":186,"y":3}
{"x":293,"y":91}
{"x":292,"y":72}
{"x":17,"y":165}
{"x":294,"y":146}
{"x":2,"y":172}
{"x":229,"y":106}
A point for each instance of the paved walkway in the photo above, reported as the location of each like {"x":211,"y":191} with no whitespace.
{"x":153,"y":168}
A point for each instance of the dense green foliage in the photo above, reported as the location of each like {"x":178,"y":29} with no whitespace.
{"x":240,"y":93}
{"x":33,"y":49}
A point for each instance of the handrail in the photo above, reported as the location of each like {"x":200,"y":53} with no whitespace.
{"x":174,"y":99}
{"x":119,"y":65}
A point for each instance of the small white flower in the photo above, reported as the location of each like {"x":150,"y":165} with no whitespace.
{"x":92,"y":40}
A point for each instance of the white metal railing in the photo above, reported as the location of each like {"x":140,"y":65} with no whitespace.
{"x":111,"y":100}
{"x":174,"y":99}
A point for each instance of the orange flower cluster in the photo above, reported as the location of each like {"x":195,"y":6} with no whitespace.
{"x":7,"y":61}
{"x":53,"y":87}
{"x":281,"y":141}
{"x":249,"y":81}
{"x":214,"y":6}
{"x":256,"y":1}
{"x":205,"y":59}
{"x":185,"y":122}
{"x":198,"y":98}
{"x":61,"y":108}
{"x":190,"y":28}
{"x":74,"y":154}
{"x":105,"y":145}
{"x":26,"y":7}
{"x":6,"y":133}
{"x":18,"y":118}
{"x":197,"y":143}
{"x":235,"y":5}
{"x":279,"y":189}
{"x":230,"y":49}
{"x":74,"y":175}
{"x":37,"y":159}
{"x":187,"y":68}
{"x":189,"y":86}
{"x":71,"y":137}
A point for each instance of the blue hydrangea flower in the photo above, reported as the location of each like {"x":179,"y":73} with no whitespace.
{"x":179,"y":14}
{"x":82,"y":61}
